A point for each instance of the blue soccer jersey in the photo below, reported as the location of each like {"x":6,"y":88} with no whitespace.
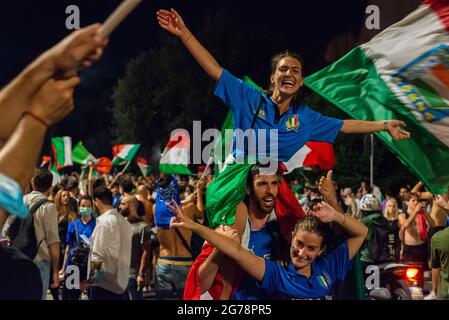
{"x":287,"y":283}
{"x":259,"y":244}
{"x":298,"y":125}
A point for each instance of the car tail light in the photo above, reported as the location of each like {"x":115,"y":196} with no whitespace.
{"x":412,"y":274}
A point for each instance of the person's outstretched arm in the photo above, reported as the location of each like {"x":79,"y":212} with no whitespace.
{"x":53,"y":102}
{"x":394,"y":127}
{"x":173,"y":23}
{"x":78,"y":50}
{"x":356,"y":230}
{"x":250,"y":263}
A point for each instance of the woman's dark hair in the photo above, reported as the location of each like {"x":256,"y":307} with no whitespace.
{"x":274,"y":64}
{"x":314,"y":225}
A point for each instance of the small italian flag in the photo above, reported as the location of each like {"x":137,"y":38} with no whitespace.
{"x":62,"y":151}
{"x":46,"y":161}
{"x":81,"y":155}
{"x":56,"y":175}
{"x":175,"y":158}
{"x":123,"y":153}
{"x":144,"y":167}
{"x":402,"y":73}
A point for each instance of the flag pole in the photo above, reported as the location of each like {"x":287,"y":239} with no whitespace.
{"x":209,"y":162}
{"x":119,"y":174}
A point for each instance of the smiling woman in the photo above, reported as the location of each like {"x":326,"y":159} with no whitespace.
{"x":296,"y":123}
{"x":311,"y":274}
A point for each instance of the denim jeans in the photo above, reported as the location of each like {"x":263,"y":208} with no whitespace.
{"x":44,"y":269}
{"x":170,"y":280}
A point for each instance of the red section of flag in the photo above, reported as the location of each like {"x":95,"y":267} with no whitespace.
{"x":46,"y":159}
{"x":103,"y":165}
{"x":287,"y":209}
{"x":56,"y":158}
{"x":142,"y":160}
{"x":116,"y":149}
{"x":422,"y":225}
{"x":322,"y":156}
{"x":441,"y":8}
{"x":179,"y":139}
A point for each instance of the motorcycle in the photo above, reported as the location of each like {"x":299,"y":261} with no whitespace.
{"x":399,"y":281}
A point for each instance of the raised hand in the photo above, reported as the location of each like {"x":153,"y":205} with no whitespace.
{"x":441,"y":202}
{"x":326,"y":187}
{"x":173,"y":23}
{"x":77,"y":51}
{"x":394,"y":128}
{"x":180,"y":220}
{"x":325,"y":213}
{"x":54,"y":100}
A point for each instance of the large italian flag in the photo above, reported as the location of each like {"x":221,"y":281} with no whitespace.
{"x":62,"y":151}
{"x":402,"y":73}
{"x":175,"y":158}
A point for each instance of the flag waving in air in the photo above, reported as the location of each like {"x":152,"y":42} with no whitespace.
{"x":81,"y":155}
{"x":402,"y":73}
{"x":175,"y":158}
{"x":144,"y":167}
{"x":62,"y":151}
{"x":123,"y":153}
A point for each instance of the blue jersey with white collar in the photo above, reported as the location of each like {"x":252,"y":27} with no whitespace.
{"x":259,"y":244}
{"x":298,"y":125}
{"x":287,"y":283}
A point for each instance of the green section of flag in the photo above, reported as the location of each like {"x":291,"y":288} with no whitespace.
{"x":81,"y":155}
{"x":166,"y":168}
{"x":353,"y":85}
{"x":228,"y":124}
{"x":225,"y":193}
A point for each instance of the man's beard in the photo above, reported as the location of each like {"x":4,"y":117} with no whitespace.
{"x":258,"y":204}
{"x":125,"y":212}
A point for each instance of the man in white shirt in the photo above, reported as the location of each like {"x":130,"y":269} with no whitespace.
{"x":110,"y":252}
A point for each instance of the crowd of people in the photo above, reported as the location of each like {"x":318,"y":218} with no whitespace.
{"x":111,"y":238}
{"x":133,"y":250}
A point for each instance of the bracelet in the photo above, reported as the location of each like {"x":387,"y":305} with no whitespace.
{"x":142,"y":274}
{"x":36,"y":118}
{"x":385,"y":126}
{"x":190,"y":37}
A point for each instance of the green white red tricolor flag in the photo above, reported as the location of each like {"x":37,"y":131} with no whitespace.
{"x":123,"y":153}
{"x":402,"y":73}
{"x":144,"y":167}
{"x":62,"y":151}
{"x":175,"y":158}
{"x":81,"y":155}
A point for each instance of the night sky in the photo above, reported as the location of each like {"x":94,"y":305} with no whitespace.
{"x":27,"y":28}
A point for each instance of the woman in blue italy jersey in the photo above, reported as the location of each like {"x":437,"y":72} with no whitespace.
{"x":278,"y":109}
{"x":311,"y":273}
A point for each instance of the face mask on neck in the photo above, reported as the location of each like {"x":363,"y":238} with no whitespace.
{"x":84,"y":212}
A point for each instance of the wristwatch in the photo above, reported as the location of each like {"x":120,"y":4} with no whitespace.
{"x":142,"y":274}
